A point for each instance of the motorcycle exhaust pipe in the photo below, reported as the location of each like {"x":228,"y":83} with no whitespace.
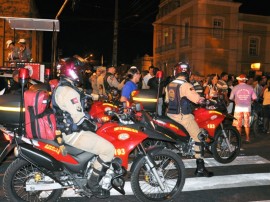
{"x":45,"y":184}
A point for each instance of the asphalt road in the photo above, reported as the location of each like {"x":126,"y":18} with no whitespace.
{"x":245,"y":179}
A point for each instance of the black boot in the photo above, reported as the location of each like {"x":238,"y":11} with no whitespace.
{"x":96,"y":189}
{"x":201,"y":170}
{"x":93,"y":182}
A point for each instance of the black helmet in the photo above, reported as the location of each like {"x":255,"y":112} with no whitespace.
{"x":181,"y":67}
{"x":72,"y":68}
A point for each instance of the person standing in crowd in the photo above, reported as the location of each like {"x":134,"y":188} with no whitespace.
{"x":211,"y":90}
{"x":242,"y":95}
{"x":179,"y":94}
{"x":13,"y":54}
{"x":143,"y":74}
{"x":24,"y":52}
{"x":75,"y":126}
{"x":258,"y":87}
{"x":132,"y":78}
{"x":110,"y":82}
{"x":266,"y":108}
{"x":153,"y":84}
{"x":148,"y":76}
{"x":100,"y":81}
{"x":230,"y":87}
{"x":264,"y":84}
{"x":195,"y":82}
{"x":223,"y":87}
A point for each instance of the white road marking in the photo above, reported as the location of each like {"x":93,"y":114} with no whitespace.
{"x":211,"y":162}
{"x":204,"y":183}
{"x":216,"y":182}
{"x":240,"y":160}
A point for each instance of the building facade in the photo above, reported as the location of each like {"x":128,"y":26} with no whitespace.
{"x":143,"y":63}
{"x":20,"y":9}
{"x":211,"y":35}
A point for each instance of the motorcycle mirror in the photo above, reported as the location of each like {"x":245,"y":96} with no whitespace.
{"x":138,"y":107}
{"x":159,"y":75}
{"x":23,"y":75}
{"x":47,"y":72}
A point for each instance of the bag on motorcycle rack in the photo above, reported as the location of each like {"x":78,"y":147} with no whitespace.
{"x":40,"y":120}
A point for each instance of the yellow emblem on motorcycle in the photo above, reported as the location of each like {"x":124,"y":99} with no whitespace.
{"x":119,"y":152}
{"x":52,"y":148}
{"x":173,"y":126}
{"x":126,"y":129}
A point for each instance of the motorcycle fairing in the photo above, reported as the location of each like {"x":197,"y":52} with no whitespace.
{"x":152,"y":133}
{"x":98,"y":108}
{"x":9,"y":147}
{"x":75,"y":160}
{"x":172,"y":127}
{"x":209,"y":120}
{"x":56,"y":152}
{"x":124,"y":139}
{"x":39,"y":157}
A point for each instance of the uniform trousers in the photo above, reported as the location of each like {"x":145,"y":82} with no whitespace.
{"x":91,"y":142}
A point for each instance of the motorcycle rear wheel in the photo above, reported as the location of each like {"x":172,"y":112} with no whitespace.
{"x":171,"y":170}
{"x":220,"y":148}
{"x":14,"y":182}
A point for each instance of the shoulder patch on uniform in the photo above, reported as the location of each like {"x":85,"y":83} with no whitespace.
{"x":74,"y":100}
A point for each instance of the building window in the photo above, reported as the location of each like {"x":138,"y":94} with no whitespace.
{"x":185,"y":33}
{"x":166,"y":36}
{"x":173,"y":35}
{"x":218,"y":28}
{"x":254,"y":43}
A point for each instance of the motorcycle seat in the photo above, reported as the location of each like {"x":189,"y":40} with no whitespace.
{"x":167,"y":119}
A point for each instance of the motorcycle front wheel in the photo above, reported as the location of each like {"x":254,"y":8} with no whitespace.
{"x":17,"y":175}
{"x":170,"y":169}
{"x":226,"y":148}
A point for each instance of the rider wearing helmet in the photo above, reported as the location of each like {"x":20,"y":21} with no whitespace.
{"x":179,"y":95}
{"x":75,"y":125}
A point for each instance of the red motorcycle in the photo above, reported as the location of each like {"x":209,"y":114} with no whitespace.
{"x":224,"y":141}
{"x":221,"y":139}
{"x":41,"y":171}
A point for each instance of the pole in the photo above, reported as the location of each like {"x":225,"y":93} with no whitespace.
{"x":115,"y":35}
{"x":54,"y":41}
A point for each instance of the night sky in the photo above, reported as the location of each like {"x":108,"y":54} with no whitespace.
{"x":86,"y":26}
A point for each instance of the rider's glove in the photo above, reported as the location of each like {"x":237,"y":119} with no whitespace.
{"x":86,"y":125}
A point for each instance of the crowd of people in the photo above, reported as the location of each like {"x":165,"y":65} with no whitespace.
{"x":237,"y":92}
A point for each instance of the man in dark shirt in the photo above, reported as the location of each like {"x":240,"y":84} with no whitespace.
{"x":153,"y":84}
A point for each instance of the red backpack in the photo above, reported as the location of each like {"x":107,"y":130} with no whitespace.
{"x":40,"y":120}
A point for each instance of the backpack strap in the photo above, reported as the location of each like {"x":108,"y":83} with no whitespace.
{"x":32,"y":121}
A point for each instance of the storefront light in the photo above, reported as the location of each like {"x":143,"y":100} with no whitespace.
{"x":256,"y":66}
